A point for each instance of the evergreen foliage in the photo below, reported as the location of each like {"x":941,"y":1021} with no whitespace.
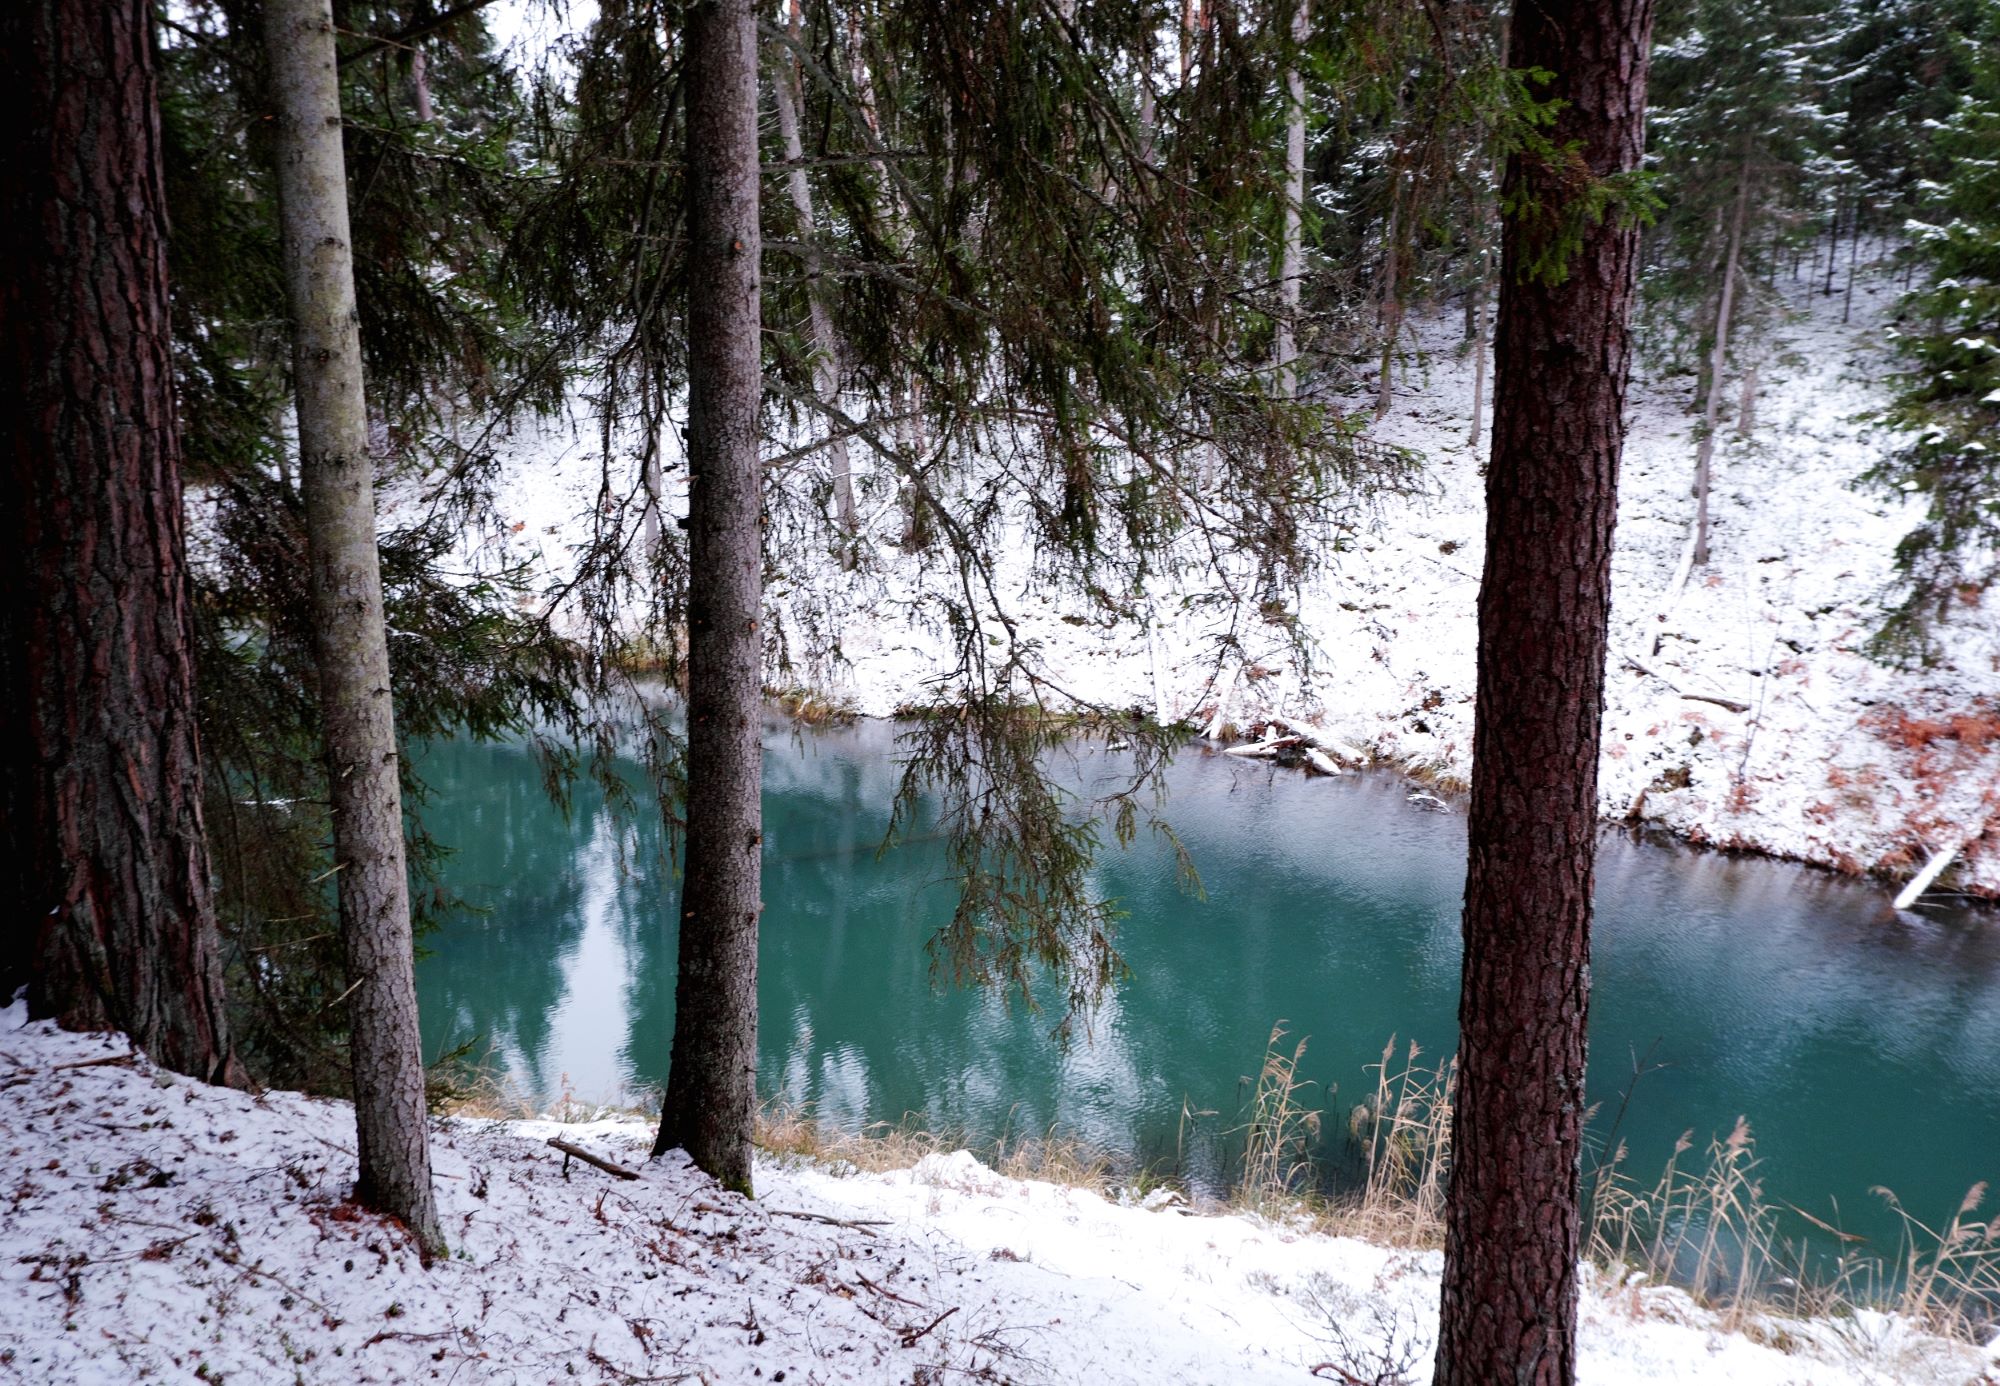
{"x":448,"y":360}
{"x":1950,"y":394}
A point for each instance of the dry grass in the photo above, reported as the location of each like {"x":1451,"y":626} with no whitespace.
{"x":1404,"y":1127}
{"x":1278,"y":1131}
{"x":811,"y":708}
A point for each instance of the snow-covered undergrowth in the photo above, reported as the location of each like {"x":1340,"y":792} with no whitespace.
{"x":1742,"y":712}
{"x":159,"y":1229}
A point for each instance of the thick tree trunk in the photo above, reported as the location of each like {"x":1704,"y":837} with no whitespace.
{"x":350,"y":642}
{"x":1292,"y":253}
{"x":1512,"y":1216}
{"x":826,"y":346}
{"x":1711,"y":413}
{"x":712,"y":1084}
{"x":111,"y":919}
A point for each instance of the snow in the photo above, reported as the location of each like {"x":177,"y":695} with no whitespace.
{"x":1838,"y":760}
{"x":160,"y":1229}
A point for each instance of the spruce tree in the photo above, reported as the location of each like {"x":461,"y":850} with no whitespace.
{"x":350,"y":637}
{"x":1950,"y":394}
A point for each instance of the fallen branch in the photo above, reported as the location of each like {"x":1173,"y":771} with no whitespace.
{"x":1321,"y":761}
{"x":578,"y":1152}
{"x":910,"y":1337}
{"x":1732,"y":704}
{"x":858,"y":1224}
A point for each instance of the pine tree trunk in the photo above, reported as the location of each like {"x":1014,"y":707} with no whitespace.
{"x":1292,"y":253}
{"x":351,"y":647}
{"x":711,"y":1095}
{"x":826,"y":346}
{"x":1512,"y":1215}
{"x":1712,"y":407}
{"x":111,"y":918}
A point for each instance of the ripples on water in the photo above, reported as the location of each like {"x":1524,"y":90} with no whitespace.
{"x":1862,"y":1045}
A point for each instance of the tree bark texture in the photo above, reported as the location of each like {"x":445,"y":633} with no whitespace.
{"x":1291,"y":255}
{"x":1513,"y":1224}
{"x":711,"y":1094}
{"x":111,"y":919}
{"x":351,"y":647}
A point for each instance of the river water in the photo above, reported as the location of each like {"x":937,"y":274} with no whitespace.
{"x":1862,"y":1046}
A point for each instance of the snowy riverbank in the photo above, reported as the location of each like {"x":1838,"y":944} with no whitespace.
{"x":1742,"y":712}
{"x":159,"y":1229}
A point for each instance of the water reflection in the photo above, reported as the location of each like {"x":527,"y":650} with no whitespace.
{"x":1860,"y":1044}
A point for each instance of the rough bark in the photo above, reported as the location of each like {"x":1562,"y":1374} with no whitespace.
{"x":1513,"y":1223}
{"x":106,"y":881}
{"x":712,"y":1082}
{"x":1711,"y":413}
{"x":351,"y":647}
{"x":826,"y":346}
{"x":1292,"y":253}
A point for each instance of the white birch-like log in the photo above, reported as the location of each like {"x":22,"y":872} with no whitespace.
{"x":1221,"y":718}
{"x":1927,"y":877}
{"x":1322,"y":762}
{"x":1312,"y":736}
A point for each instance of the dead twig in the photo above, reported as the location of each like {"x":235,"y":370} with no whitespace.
{"x":910,"y":1336}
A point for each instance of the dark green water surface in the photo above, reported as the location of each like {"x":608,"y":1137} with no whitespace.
{"x":1863,"y":1046}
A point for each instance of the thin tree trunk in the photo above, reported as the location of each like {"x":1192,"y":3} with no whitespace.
{"x":420,"y":79}
{"x":1853,"y":253}
{"x":1293,"y":252}
{"x":111,"y":917}
{"x":1746,"y":403}
{"x":826,"y":346}
{"x":1712,"y":406}
{"x":1391,"y":308}
{"x":1512,"y":1211}
{"x":711,"y":1096}
{"x":350,"y":642}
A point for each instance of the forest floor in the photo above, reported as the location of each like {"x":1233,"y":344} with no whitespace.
{"x":157,"y":1229}
{"x":1744,"y":712}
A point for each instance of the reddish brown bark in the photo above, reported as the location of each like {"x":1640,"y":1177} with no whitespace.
{"x":711,"y":1098}
{"x":107,"y":897}
{"x":1512,"y":1213}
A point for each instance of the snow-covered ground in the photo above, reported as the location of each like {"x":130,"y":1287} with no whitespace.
{"x":1832,"y":758}
{"x":157,"y":1229}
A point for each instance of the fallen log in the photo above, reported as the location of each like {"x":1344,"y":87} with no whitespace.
{"x":577,"y":1152}
{"x":1927,"y":877}
{"x":1263,"y":750}
{"x":1354,"y":755}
